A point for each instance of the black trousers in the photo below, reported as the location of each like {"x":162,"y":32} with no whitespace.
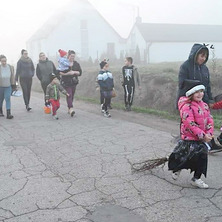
{"x":201,"y":166}
{"x":102,"y":98}
{"x":26,"y":85}
{"x":129,"y":90}
{"x":106,"y":103}
{"x":44,"y":86}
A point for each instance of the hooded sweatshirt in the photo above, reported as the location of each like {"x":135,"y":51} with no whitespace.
{"x":191,"y":70}
{"x":196,"y":120}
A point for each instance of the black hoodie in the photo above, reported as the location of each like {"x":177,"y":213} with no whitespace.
{"x":192,"y":71}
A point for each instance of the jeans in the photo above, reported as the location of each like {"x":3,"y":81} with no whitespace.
{"x":5,"y":94}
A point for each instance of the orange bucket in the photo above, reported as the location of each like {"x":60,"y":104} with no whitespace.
{"x":47,"y":109}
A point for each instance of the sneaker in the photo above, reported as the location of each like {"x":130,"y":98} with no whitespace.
{"x":55,"y":117}
{"x":176,"y":175}
{"x":102,"y":110}
{"x":127,"y":107}
{"x":107,"y":114}
{"x":28,"y":108}
{"x":199,"y":183}
{"x":72,"y":112}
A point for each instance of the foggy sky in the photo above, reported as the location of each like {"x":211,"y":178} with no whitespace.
{"x":20,"y":19}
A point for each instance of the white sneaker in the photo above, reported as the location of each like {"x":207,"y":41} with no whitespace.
{"x":199,"y":183}
{"x":55,"y":117}
{"x":107,"y":114}
{"x":176,"y":175}
{"x":71,"y":112}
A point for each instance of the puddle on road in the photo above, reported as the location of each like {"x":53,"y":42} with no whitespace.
{"x":112,"y":213}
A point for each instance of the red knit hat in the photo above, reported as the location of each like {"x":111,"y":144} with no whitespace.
{"x":62,"y":52}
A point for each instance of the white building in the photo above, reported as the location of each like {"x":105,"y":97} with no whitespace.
{"x":171,"y":42}
{"x":79,"y":26}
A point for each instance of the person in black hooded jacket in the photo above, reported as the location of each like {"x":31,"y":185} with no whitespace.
{"x":195,"y":69}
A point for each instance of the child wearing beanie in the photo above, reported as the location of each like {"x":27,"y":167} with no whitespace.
{"x":52,"y":94}
{"x":196,"y":130}
{"x":63,"y":61}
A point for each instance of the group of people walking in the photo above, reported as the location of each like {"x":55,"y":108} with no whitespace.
{"x":46,"y":73}
{"x":194,"y":99}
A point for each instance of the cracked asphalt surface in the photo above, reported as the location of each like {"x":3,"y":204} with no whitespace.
{"x":62,"y":171}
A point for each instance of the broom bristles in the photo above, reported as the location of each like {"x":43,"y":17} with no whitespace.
{"x":149,"y":164}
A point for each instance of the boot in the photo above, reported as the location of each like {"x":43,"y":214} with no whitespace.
{"x":9,"y":116}
{"x":214,"y":146}
{"x":1,"y":112}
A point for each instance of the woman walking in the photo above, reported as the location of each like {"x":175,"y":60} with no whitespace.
{"x":69,"y":80}
{"x":44,"y":70}
{"x":24,"y":72}
{"x":7,"y":81}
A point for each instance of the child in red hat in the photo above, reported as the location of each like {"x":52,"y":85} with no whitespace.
{"x":63,"y":61}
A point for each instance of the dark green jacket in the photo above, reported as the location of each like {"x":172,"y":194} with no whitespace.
{"x":44,"y":70}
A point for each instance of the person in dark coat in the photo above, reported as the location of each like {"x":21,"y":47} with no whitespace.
{"x":43,"y":71}
{"x":24,"y":72}
{"x":195,"y":69}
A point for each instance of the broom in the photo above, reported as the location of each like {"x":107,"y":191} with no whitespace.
{"x":149,"y":164}
{"x":153,"y":163}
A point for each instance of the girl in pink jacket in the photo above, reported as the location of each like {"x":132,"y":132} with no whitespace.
{"x":196,"y":130}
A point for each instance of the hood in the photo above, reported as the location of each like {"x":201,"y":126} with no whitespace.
{"x":194,"y":51}
{"x":182,"y":101}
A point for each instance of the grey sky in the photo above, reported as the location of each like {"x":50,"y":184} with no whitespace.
{"x":20,"y":19}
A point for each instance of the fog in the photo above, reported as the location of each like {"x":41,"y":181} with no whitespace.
{"x":21,"y":19}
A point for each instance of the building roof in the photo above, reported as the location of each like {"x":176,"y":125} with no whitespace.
{"x":63,"y":13}
{"x":157,"y":32}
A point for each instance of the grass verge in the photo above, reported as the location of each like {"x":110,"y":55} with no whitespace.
{"x":159,"y":113}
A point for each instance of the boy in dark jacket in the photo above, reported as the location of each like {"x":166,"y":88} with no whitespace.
{"x":52,"y":94}
{"x":130,"y":73}
{"x":105,"y":81}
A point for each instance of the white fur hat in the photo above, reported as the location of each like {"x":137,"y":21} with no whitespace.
{"x":194,"y":89}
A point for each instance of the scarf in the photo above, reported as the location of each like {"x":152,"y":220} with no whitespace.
{"x":25,"y":59}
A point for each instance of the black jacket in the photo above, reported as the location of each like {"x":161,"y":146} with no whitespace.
{"x":192,"y":71}
{"x":25,"y":68}
{"x":68,"y":81}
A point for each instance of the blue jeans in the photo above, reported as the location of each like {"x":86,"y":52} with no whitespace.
{"x":5,"y":93}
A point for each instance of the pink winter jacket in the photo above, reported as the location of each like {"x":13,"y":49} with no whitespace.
{"x":196,"y":120}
